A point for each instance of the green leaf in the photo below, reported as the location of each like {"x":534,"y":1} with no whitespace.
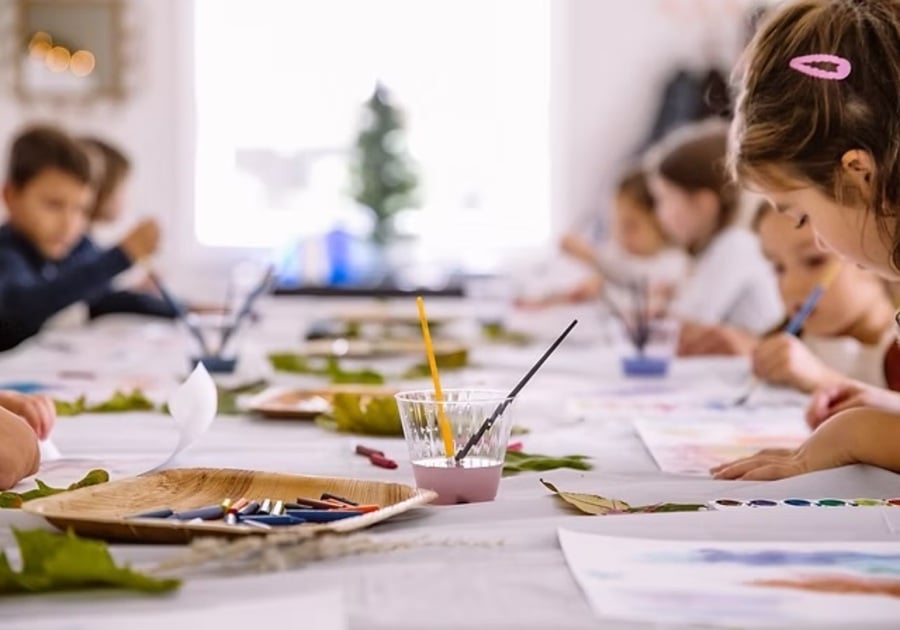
{"x":366,"y":415}
{"x":499,"y":333}
{"x":15,"y":500}
{"x":298,"y":364}
{"x":668,"y":507}
{"x":589,"y":503}
{"x":56,"y":562}
{"x":455,"y":360}
{"x":228,"y":396}
{"x":517,"y":462}
{"x":70,"y":407}
{"x":290,"y":362}
{"x":119,"y":402}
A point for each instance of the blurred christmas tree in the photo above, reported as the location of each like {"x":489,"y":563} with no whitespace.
{"x":382,"y":173}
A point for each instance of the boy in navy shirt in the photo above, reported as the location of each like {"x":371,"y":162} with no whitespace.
{"x":46,"y":261}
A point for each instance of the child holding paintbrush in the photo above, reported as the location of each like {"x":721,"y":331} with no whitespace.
{"x":847,"y":334}
{"x":729,"y":296}
{"x":812,"y":131}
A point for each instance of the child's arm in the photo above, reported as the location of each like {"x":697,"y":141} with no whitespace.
{"x":858,"y":436}
{"x":849,"y":394}
{"x":19,"y":452}
{"x":29,"y":300}
{"x":700,"y":339}
{"x":783,"y":359}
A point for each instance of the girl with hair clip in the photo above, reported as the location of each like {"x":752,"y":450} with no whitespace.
{"x":817,"y":131}
{"x":729,"y":296}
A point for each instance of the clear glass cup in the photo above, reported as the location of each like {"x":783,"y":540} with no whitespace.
{"x":477,"y":477}
{"x":658,"y":352}
{"x":213,"y":341}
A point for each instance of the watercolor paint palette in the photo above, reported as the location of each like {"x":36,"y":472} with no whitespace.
{"x":724,"y":504}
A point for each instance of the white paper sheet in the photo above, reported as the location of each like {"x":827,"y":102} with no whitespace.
{"x":193,"y":408}
{"x":736,"y":584}
{"x":689,"y":444}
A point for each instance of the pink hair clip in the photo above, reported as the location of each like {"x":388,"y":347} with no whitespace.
{"x":804,"y":65}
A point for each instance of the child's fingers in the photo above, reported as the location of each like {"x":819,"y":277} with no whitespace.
{"x":738,"y":469}
{"x":771,"y":472}
{"x":844,"y":404}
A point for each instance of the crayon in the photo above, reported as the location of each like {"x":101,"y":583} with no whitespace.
{"x":231,"y":518}
{"x":265,"y":507}
{"x":366,"y":451}
{"x":237,"y":505}
{"x":208,"y":513}
{"x":315,"y":503}
{"x":273,"y":519}
{"x":248,"y":509}
{"x":160,"y":513}
{"x":322,"y":516}
{"x":327,"y":495}
{"x":382,"y":462}
{"x":278,"y":508}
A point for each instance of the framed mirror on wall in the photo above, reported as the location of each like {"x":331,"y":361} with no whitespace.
{"x":69,"y":50}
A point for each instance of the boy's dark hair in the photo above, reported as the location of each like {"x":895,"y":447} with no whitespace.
{"x":39,"y":148}
{"x":633,"y":184}
{"x":114,"y":166}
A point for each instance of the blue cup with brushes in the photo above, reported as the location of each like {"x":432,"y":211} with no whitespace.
{"x":651,"y":338}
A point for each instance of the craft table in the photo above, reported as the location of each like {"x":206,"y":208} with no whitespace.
{"x":483,"y":566}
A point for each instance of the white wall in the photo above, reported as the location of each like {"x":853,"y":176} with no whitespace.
{"x":610,"y":62}
{"x":144,"y":125}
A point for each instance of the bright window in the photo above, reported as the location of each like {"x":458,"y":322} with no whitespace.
{"x":279,"y":87}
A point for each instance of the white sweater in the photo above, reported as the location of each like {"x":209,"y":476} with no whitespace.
{"x":859,"y":361}
{"x":731,"y":283}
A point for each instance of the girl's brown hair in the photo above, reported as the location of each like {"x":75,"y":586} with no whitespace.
{"x":693,"y":158}
{"x":111,"y":168}
{"x":633,"y":184}
{"x":791,"y":130}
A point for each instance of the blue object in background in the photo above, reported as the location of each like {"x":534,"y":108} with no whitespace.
{"x":26,"y":387}
{"x":337,"y":245}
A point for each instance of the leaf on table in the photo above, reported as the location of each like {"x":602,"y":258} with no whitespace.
{"x":290,"y":362}
{"x":517,"y":461}
{"x":70,"y":407}
{"x":338,"y":375}
{"x":119,"y":402}
{"x":366,"y":415}
{"x":331,"y":368}
{"x":228,"y":396}
{"x":54,"y":561}
{"x":589,"y":503}
{"x":454,"y":360}
{"x":16,"y":499}
{"x":499,"y":333}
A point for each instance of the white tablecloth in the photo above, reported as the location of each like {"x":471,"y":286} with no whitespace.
{"x":500,"y":565}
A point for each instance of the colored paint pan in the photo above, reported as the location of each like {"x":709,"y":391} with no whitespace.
{"x":726,"y":503}
{"x":868,"y":502}
{"x":762,"y":503}
{"x":893,"y":502}
{"x":797,"y":502}
{"x":833,"y":503}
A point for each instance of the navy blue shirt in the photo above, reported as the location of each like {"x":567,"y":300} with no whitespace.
{"x":34,"y":288}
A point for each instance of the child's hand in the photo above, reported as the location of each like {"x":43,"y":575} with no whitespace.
{"x":785,"y":360}
{"x":701,"y":339}
{"x":828,"y":447}
{"x":38,"y":411}
{"x":832,"y":399}
{"x":142,"y":240}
